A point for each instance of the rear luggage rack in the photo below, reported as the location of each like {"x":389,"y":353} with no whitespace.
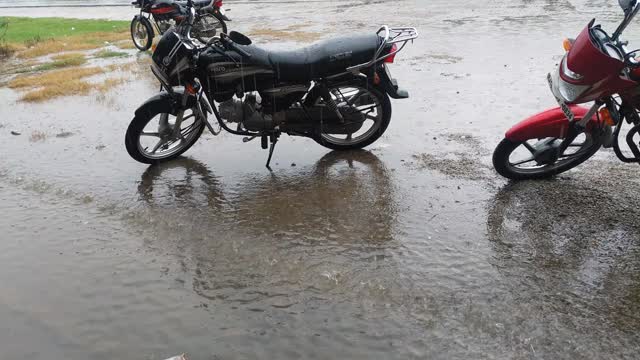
{"x":390,"y":36}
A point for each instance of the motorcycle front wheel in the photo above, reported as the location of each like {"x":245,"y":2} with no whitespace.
{"x":141,"y":33}
{"x":153,"y":136}
{"x":541,"y":158}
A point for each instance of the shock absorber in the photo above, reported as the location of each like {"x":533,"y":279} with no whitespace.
{"x":326,"y":96}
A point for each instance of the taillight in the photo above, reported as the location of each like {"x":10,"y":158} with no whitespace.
{"x":217,"y":3}
{"x":392,"y":58}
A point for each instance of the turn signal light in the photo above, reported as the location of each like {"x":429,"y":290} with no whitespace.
{"x":567,"y":44}
{"x":392,"y":58}
{"x":605,"y":115}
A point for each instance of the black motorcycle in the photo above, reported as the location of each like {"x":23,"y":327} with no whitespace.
{"x":210,"y":19}
{"x":335,"y":92}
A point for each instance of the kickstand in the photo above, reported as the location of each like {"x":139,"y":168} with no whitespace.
{"x":274,"y":140}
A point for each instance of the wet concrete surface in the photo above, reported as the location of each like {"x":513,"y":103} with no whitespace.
{"x":414,"y":248}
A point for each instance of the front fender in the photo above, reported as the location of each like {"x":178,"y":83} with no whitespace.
{"x":549,"y":123}
{"x":164,"y":102}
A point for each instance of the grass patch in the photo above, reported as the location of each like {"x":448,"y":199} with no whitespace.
{"x":33,"y":37}
{"x":108,"y":84}
{"x":59,"y":83}
{"x":74,"y":87}
{"x":53,"y":78}
{"x":110,"y":54}
{"x":55,"y":84}
{"x":5,"y":49}
{"x":72,"y":43}
{"x":62,"y":61}
{"x":24,"y":29}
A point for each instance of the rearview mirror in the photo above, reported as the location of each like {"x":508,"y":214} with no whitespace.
{"x":627,"y":5}
{"x":238,"y":38}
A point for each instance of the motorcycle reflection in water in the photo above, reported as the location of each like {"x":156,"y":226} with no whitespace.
{"x":348,"y":194}
{"x":567,"y":251}
{"x":290,"y":235}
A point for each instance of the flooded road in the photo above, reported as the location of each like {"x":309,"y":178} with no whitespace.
{"x":411,"y":249}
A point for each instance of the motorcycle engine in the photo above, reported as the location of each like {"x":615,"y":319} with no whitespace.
{"x":248,"y":113}
{"x":253,"y":116}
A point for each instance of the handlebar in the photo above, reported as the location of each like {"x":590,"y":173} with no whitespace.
{"x":233,"y":46}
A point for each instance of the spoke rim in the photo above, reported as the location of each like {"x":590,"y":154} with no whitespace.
{"x":372,"y":111}
{"x":168,"y":144}
{"x":585,"y":146}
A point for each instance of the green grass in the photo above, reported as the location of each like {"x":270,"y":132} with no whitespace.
{"x":62,"y":61}
{"x":110,"y":54}
{"x":23,"y":30}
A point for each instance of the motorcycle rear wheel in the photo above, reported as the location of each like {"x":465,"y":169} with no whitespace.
{"x":565,"y":161}
{"x":373,"y":103}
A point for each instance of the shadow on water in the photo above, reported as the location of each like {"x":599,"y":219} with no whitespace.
{"x":571,"y":247}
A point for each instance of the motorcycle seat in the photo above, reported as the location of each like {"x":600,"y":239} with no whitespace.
{"x":325,"y":58}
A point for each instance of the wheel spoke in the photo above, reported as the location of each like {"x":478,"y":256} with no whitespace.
{"x":370,"y":107}
{"x":578,"y":153}
{"x":154,"y":134}
{"x":355,"y":97}
{"x":529,"y":147}
{"x":523,"y":161}
{"x":577,"y":145}
{"x":158,"y":145}
{"x":371,"y":117}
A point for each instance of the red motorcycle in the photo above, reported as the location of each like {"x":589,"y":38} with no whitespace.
{"x":597,"y":68}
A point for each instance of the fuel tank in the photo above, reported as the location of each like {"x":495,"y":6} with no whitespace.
{"x":230,"y":73}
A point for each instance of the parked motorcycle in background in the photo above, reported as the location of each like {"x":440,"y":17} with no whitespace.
{"x":158,"y":16}
{"x":597,"y":68}
{"x":335,"y":92}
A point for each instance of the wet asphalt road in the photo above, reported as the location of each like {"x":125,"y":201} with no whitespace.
{"x":412,"y":249}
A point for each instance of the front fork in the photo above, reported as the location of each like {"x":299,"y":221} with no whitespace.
{"x":201,"y":108}
{"x":578,"y":127}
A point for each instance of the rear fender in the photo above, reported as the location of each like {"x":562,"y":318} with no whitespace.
{"x":390,"y":85}
{"x":549,"y":123}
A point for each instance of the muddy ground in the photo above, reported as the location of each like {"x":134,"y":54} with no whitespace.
{"x":414,"y":248}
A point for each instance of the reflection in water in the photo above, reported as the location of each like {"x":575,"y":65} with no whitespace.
{"x":346,"y":194}
{"x":571,"y":246}
{"x":269,"y":240}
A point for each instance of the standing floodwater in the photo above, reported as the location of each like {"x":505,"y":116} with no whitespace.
{"x":412,"y":249}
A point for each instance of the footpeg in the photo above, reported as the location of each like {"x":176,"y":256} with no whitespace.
{"x":247,"y":139}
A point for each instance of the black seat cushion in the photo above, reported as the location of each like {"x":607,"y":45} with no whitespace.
{"x":322,"y":59}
